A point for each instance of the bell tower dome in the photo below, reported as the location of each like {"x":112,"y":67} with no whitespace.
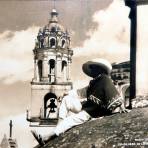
{"x":52,"y":61}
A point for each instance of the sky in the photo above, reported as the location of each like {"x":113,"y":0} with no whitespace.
{"x":98,"y":28}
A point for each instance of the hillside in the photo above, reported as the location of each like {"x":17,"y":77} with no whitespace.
{"x":115,"y":131}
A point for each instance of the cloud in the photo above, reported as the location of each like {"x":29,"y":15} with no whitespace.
{"x":16,"y":60}
{"x":111,"y":37}
{"x":142,"y":52}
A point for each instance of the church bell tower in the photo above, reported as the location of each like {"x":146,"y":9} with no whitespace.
{"x":52,"y":61}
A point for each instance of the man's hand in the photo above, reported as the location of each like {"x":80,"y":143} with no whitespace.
{"x":60,"y":98}
{"x":123,"y":109}
{"x":65,"y":94}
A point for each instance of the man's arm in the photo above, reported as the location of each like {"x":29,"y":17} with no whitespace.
{"x":121,"y":108}
{"x":115,"y":100}
{"x":82,"y":93}
{"x":79,"y":93}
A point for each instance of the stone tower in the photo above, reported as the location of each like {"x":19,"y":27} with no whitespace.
{"x":9,"y":142}
{"x":52,"y":60}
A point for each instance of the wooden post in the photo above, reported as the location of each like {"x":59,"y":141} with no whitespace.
{"x":133,"y":47}
{"x":133,"y":43}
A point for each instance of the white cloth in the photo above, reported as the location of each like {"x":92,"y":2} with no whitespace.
{"x":71,"y":104}
{"x":72,"y":120}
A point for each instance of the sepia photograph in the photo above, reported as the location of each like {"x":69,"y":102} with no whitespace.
{"x":73,"y":74}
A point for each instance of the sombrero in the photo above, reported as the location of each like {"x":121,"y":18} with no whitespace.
{"x":96,"y":66}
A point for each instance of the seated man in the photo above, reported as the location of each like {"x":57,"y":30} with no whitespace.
{"x":102,"y":99}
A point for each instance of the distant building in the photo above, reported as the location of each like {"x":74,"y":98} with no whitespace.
{"x":121,"y":72}
{"x":52,"y":61}
{"x":9,"y":142}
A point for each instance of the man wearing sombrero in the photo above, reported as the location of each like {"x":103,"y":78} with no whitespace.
{"x":102,"y":99}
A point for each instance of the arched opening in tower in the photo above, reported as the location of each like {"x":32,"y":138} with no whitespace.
{"x":53,"y":29}
{"x":40,"y":65}
{"x":50,"y":105}
{"x":51,"y":70}
{"x":125,"y":94}
{"x":64,"y":70}
{"x":63,"y":43}
{"x":52,"y":42}
{"x":126,"y":97}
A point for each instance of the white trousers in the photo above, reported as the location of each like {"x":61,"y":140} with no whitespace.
{"x":72,"y":114}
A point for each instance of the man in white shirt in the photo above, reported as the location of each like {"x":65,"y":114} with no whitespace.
{"x":102,"y":99}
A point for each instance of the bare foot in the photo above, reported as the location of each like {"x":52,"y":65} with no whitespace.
{"x":38,"y":138}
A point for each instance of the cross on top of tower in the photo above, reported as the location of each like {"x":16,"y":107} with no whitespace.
{"x":54,"y":4}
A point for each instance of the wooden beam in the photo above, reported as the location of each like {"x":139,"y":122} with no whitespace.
{"x":133,"y":47}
